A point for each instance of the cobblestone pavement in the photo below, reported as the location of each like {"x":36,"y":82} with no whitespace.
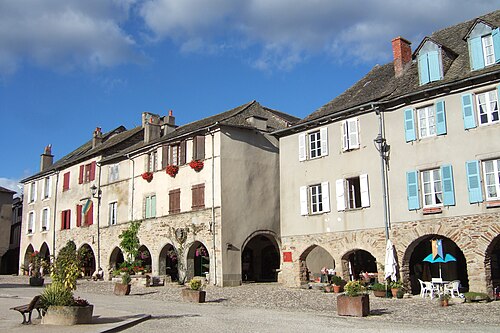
{"x":274,"y":308}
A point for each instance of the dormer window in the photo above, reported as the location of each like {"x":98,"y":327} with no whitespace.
{"x":430,"y":66}
{"x":484,"y":45}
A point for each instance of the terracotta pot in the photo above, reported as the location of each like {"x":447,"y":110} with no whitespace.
{"x":357,"y":306}
{"x":196,"y":296}
{"x":122,"y":289}
{"x":394,"y":292}
{"x":443,"y":302}
{"x":379,"y":293}
{"x":337,"y":289}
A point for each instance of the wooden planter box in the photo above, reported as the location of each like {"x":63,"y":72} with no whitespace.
{"x":196,"y":296}
{"x":68,"y":315}
{"x":358,"y":306}
{"x":122,"y":289}
{"x":36,"y":281}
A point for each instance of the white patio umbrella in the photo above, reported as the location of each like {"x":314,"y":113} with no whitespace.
{"x":390,"y":261}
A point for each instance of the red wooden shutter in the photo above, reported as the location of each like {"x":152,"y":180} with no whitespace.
{"x":66,"y":181}
{"x":80,"y":177}
{"x":92,"y":171}
{"x":182,"y":157}
{"x":78,"y":215}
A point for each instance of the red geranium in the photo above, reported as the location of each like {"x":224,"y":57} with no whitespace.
{"x":196,"y":165}
{"x":148,"y":176}
{"x":172,"y":170}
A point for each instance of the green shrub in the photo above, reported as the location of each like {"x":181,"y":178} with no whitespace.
{"x":378,"y":286}
{"x":195,"y":284}
{"x":395,"y":285}
{"x":354,"y":288}
{"x":475,"y":296}
{"x":338,"y":281}
{"x":66,"y":267}
{"x":56,"y":294}
{"x":126,"y":278}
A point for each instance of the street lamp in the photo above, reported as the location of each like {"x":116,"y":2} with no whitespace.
{"x":96,"y":193}
{"x":384,"y":149}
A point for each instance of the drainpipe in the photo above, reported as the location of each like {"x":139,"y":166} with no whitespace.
{"x":55,"y":215}
{"x":212,"y":227}
{"x":99,"y":193}
{"x":383,"y":148}
{"x":133,"y":188}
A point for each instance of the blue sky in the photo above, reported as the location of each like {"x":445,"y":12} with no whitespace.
{"x":68,"y":66}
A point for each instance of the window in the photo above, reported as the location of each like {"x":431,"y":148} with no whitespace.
{"x":151,"y":161}
{"x":45,"y":219}
{"x":32,"y":193}
{"x":491,"y":171}
{"x":66,"y":181}
{"x":46,"y":187}
{"x":488,"y":50}
{"x":198,"y":196}
{"x":87,"y":173}
{"x":150,"y":206}
{"x":429,"y":67}
{"x":350,"y":135}
{"x":314,"y":199}
{"x":431,"y":121}
{"x":31,"y":223}
{"x":352,"y":193}
{"x":112,"y":212}
{"x":65,"y":219}
{"x":487,"y":107}
{"x":484,"y":44}
{"x":178,"y":153}
{"x":313,"y":144}
{"x":113,"y":173}
{"x":199,"y":147}
{"x":436,"y":186}
{"x":174,"y":201}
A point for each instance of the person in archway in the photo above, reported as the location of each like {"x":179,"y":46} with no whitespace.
{"x":98,"y":274}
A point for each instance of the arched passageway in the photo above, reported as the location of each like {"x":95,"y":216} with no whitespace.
{"x":260,"y":259}
{"x":144,"y":258}
{"x":492,"y":265}
{"x":312,"y":260}
{"x":116,"y":258}
{"x":425,"y":271}
{"x":45,"y":254}
{"x":356,"y":262}
{"x":88,"y":260}
{"x":26,"y":261}
{"x":168,"y":263}
{"x":198,"y":261}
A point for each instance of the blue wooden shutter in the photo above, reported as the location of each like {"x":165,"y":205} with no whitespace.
{"x":440,"y":118}
{"x":410,"y":125}
{"x":496,"y":44}
{"x":476,"y":53}
{"x":423,"y":68}
{"x":412,"y":190}
{"x":448,"y":188}
{"x":434,"y":66}
{"x":474,"y":181}
{"x":468,"y":111}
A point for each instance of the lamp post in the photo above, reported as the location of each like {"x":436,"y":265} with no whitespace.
{"x":383,"y":148}
{"x":96,"y":193}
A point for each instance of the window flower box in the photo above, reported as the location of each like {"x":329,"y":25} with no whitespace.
{"x":172,"y":170}
{"x":147,"y":176}
{"x":196,"y":165}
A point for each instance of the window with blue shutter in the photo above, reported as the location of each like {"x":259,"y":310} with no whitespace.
{"x":412,"y":190}
{"x":423,"y":69}
{"x":468,"y":111}
{"x":440,"y":118}
{"x":496,"y":44}
{"x":410,"y":134}
{"x":448,"y":188}
{"x":429,"y":67}
{"x":474,"y":181}
{"x":476,"y":53}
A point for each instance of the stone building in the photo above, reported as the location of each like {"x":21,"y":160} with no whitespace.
{"x":410,"y":152}
{"x":6,"y":201}
{"x":206,"y":193}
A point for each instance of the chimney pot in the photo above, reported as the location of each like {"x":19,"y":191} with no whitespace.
{"x":46,"y":159}
{"x":401,"y":51}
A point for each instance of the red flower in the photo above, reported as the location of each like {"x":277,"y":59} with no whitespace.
{"x":172,"y":170}
{"x":196,"y":165}
{"x":148,"y":176}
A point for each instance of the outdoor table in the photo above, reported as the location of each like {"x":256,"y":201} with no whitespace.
{"x":440,"y":285}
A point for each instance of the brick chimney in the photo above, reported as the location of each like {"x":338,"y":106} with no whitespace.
{"x":46,"y":159}
{"x":401,"y":51}
{"x":96,"y":137}
{"x":169,"y":123}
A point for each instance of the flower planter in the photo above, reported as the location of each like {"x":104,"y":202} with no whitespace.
{"x":443,"y":302}
{"x":394,"y":292}
{"x":196,"y":165}
{"x":196,"y":296}
{"x":68,"y":315}
{"x":357,"y":306}
{"x":337,"y":289}
{"x":122,"y":289}
{"x":36,"y":281}
{"x":379,"y":293}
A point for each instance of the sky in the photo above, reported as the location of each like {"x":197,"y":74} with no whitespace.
{"x":69,"y":66}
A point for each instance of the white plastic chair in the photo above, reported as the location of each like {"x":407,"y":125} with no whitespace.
{"x":452,"y":288}
{"x":423,"y":289}
{"x":431,"y":289}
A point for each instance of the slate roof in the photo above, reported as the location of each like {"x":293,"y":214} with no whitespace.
{"x":6,"y":190}
{"x":381,"y":86}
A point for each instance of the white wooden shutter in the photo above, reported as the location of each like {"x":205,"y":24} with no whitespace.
{"x":352,"y":125}
{"x":339,"y":189}
{"x":302,"y":147}
{"x":303,"y":200}
{"x":365,"y":195}
{"x":324,"y":141}
{"x":345,"y":136}
{"x":325,"y":193}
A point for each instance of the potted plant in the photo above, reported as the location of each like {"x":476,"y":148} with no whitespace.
{"x":36,"y":267}
{"x":123,"y":288}
{"x":443,"y":299}
{"x":172,"y":170}
{"x":338,"y":284}
{"x":194,"y":293}
{"x":196,"y":165}
{"x":355,"y":301}
{"x":395,"y":286}
{"x":379,"y":289}
{"x":147,"y":176}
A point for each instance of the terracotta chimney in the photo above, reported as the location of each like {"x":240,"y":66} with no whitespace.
{"x":47,"y":158}
{"x":97,"y":137}
{"x":401,"y":51}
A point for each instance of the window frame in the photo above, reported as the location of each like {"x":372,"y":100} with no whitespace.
{"x":32,"y":193}
{"x":427,"y":117}
{"x":113,"y":213}
{"x":113,"y":173}
{"x":305,"y":144}
{"x":31,"y":223}
{"x":314,"y":202}
{"x":149,"y":213}
{"x":152,"y":161}
{"x":66,"y":219}
{"x":433,"y":192}
{"x":45,"y":215}
{"x":350,"y":130}
{"x":487,"y":105}
{"x":496,"y":179}
{"x":47,"y":187}
{"x":485,"y":47}
{"x":315,"y":199}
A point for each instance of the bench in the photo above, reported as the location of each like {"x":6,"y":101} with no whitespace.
{"x":28,"y":308}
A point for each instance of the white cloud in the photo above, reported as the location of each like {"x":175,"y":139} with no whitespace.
{"x":11,"y":184}
{"x":65,"y":34}
{"x":287,"y":31}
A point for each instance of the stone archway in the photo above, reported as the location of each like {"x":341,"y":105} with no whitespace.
{"x":116,"y":258}
{"x":144,"y":257}
{"x":358,"y":261}
{"x":260,"y":259}
{"x":88,"y":259}
{"x":168,"y":263}
{"x":492,"y":265}
{"x":414,"y":268}
{"x":45,"y":254}
{"x":198,"y":261}
{"x":311,"y":261}
{"x":26,"y":261}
